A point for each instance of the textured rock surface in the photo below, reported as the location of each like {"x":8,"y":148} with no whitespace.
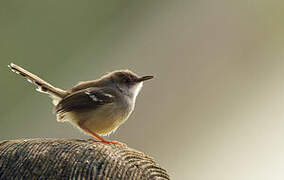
{"x":74,"y":159}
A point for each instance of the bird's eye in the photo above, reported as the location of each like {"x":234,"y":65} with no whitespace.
{"x":126,"y":80}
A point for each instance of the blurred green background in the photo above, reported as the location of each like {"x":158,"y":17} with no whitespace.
{"x":216,"y":107}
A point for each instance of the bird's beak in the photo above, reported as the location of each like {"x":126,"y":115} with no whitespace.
{"x":144,"y":78}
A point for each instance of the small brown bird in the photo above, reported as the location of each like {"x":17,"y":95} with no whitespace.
{"x":96,"y":107}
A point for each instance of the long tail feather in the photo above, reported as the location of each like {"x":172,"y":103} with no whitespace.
{"x":43,"y":86}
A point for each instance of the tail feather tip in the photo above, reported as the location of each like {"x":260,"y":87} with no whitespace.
{"x":11,"y":65}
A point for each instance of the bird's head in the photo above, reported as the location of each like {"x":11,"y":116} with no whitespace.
{"x":128,"y":82}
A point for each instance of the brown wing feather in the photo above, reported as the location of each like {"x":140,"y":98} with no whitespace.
{"x":85,"y":99}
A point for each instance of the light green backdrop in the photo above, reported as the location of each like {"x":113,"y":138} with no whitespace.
{"x":216,"y":107}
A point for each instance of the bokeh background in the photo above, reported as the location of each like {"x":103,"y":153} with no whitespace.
{"x":216,"y":107}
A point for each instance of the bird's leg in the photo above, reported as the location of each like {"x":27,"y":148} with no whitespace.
{"x":99,"y":137}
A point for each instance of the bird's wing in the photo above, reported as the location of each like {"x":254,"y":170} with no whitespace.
{"x":90,"y":98}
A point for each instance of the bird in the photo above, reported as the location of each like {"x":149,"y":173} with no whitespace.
{"x":96,"y":107}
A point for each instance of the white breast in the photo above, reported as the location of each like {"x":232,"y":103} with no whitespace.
{"x":135,"y":90}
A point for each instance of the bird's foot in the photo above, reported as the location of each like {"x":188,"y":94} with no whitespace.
{"x":106,"y":141}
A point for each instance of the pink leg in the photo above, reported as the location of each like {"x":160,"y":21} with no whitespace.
{"x":99,"y":137}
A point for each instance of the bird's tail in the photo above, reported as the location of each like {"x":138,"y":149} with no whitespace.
{"x":55,"y":93}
